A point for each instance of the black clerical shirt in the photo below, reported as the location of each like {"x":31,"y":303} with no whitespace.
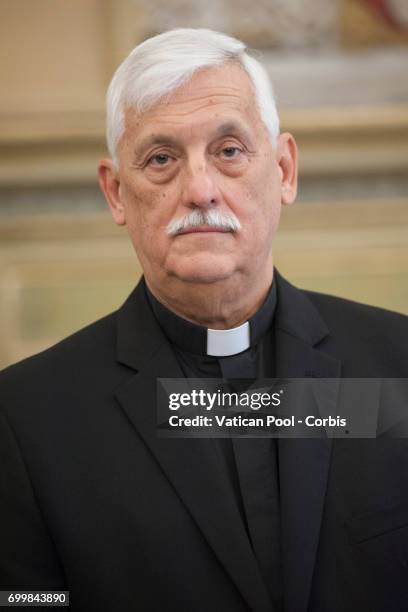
{"x":251,"y":463}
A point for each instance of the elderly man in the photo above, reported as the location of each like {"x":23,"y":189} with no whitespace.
{"x":91,"y":499}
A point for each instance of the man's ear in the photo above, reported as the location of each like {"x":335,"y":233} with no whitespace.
{"x":110,"y":184}
{"x":286,"y":154}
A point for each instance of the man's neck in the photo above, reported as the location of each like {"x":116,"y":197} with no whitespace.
{"x":222,"y":305}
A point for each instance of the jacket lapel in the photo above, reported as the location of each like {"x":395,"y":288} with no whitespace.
{"x":303,"y":463}
{"x":190,"y":464}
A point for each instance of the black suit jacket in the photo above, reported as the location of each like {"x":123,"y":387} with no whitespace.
{"x":92,"y":501}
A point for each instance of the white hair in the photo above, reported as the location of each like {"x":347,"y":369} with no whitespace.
{"x":161,"y":64}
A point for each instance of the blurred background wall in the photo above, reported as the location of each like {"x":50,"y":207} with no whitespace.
{"x":340,"y":73}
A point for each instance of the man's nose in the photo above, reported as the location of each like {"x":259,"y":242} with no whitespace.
{"x":200,"y":188}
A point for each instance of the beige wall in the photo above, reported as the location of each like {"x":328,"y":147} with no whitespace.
{"x":62,"y":266}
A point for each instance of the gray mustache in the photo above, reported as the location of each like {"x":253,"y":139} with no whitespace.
{"x":211,"y":218}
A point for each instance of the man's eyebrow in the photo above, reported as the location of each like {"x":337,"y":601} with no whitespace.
{"x":231,"y":127}
{"x":155,"y":139}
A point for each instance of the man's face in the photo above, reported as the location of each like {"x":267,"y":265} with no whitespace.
{"x":203,"y":148}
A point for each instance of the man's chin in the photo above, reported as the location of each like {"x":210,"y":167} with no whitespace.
{"x":203,"y":274}
{"x":204,"y":278}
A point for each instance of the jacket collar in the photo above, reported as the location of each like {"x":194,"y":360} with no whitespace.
{"x":296,"y":315}
{"x":139,"y":337}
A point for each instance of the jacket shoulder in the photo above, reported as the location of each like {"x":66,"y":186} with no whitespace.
{"x":358,"y":314}
{"x":93,"y":344}
{"x":374,"y":339}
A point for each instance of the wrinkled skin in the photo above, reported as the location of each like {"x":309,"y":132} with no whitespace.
{"x":204,"y":146}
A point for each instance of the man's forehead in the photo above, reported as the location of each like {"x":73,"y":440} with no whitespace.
{"x":221,"y":99}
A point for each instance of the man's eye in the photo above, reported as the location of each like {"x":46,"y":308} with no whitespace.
{"x":231,"y":152}
{"x":161,"y":159}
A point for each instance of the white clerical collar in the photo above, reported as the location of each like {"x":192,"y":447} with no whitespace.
{"x":226,"y":342}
